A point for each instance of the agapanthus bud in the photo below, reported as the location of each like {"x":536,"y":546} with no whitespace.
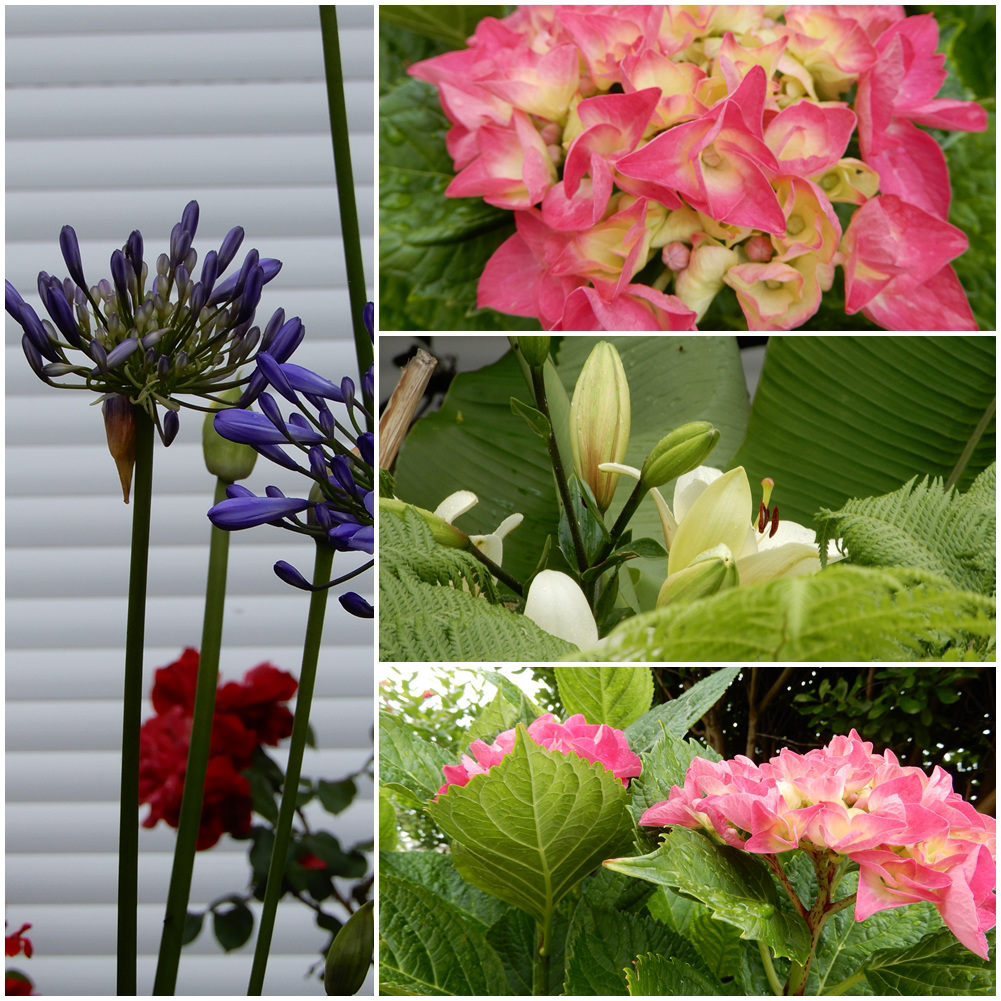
{"x":228,"y":460}
{"x":713,"y":571}
{"x":350,"y":953}
{"x":681,"y":451}
{"x":535,"y":350}
{"x":599,"y":420}
{"x":120,"y":427}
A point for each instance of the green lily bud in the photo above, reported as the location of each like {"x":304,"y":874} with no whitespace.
{"x":535,"y":350}
{"x":683,"y":450}
{"x":120,"y":427}
{"x":713,"y":571}
{"x":600,"y":417}
{"x":350,"y":954}
{"x":444,"y":533}
{"x":228,"y":460}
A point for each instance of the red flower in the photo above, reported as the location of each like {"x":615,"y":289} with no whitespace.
{"x":16,"y":943}
{"x":17,"y":984}
{"x":255,"y":702}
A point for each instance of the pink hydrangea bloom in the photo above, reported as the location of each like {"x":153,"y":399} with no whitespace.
{"x":593,"y":742}
{"x":913,"y":838}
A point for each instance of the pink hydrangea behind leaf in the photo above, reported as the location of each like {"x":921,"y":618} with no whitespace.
{"x":593,"y":742}
{"x":637,"y":307}
{"x":913,"y":838}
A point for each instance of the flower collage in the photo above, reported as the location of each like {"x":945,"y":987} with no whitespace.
{"x":567,"y":567}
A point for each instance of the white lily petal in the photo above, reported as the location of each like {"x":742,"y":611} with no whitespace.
{"x":667,"y":519}
{"x":719,"y":514}
{"x":511,"y":522}
{"x":620,"y":467}
{"x":456,"y":504}
{"x":492,"y":546}
{"x":689,"y":486}
{"x":557,"y":605}
{"x":794,"y":559}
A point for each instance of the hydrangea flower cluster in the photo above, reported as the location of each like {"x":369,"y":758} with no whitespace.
{"x":339,"y":462}
{"x":912,"y":837}
{"x":593,"y":742}
{"x":149,"y":341}
{"x":653,"y":154}
{"x":248,"y":714}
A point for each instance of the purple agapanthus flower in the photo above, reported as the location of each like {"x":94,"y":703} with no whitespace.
{"x":153,"y":332}
{"x":333,"y":450}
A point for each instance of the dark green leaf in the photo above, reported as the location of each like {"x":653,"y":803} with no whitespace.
{"x":336,"y":796}
{"x":535,"y":419}
{"x":192,"y":927}
{"x":232,"y":927}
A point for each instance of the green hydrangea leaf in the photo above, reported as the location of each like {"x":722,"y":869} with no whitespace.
{"x":615,"y":696}
{"x":937,"y":965}
{"x":659,"y":975}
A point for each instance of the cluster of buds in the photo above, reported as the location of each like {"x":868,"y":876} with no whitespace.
{"x":705,"y":147}
{"x":912,"y":837}
{"x":146,"y":341}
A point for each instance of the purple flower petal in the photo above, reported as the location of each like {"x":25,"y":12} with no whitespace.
{"x":248,"y":512}
{"x":250,"y":428}
{"x":356,"y":605}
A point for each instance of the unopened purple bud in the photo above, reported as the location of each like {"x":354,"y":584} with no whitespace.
{"x":12,"y":301}
{"x":318,"y":462}
{"x":251,"y":295}
{"x":248,"y":511}
{"x":326,"y":419}
{"x":356,"y":605}
{"x":71,"y":254}
{"x":276,"y":377}
{"x":340,"y":470}
{"x":275,"y":324}
{"x":368,"y":385}
{"x":120,"y":352}
{"x":181,"y":361}
{"x":210,"y":270}
{"x":366,"y":447}
{"x":250,"y":428}
{"x":368,"y":318}
{"x":171,"y":425}
{"x":150,"y":356}
{"x":152,"y":337}
{"x":258,"y":383}
{"x":61,"y":312}
{"x":347,"y":391}
{"x":34,"y":357}
{"x":162,"y":266}
{"x":58,"y":368}
{"x":199,"y":296}
{"x":97,"y":352}
{"x":288,"y":573}
{"x":181,"y":276}
{"x":189,"y":219}
{"x":270,"y":410}
{"x":296,"y":420}
{"x":322,"y":514}
{"x":271,"y":267}
{"x":288,"y":338}
{"x":118,"y":275}
{"x":273,"y":491}
{"x":279,"y":456}
{"x":35,"y":332}
{"x":162,"y":367}
{"x":230,"y":245}
{"x":234,"y":490}
{"x":134,"y":250}
{"x":180,"y":244}
{"x":304,"y":380}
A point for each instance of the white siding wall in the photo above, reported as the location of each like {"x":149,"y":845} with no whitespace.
{"x":116,"y":117}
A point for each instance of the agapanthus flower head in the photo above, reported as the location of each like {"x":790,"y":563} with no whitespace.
{"x":330,"y":447}
{"x":156,"y":332}
{"x":591,"y":741}
{"x":248,"y":714}
{"x":912,"y":837}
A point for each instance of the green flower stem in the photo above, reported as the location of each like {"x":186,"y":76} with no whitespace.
{"x":539,"y":387}
{"x":497,"y":571}
{"x":350,"y":232}
{"x":189,"y":821}
{"x":639,"y":492}
{"x":135,"y":634}
{"x":290,"y":792}
{"x":773,"y":977}
{"x":845,"y":985}
{"x":974,"y":440}
{"x":540,"y":961}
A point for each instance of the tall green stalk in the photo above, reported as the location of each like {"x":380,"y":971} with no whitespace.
{"x":300,"y":732}
{"x":189,"y":821}
{"x":135,"y":634}
{"x":350,"y":232}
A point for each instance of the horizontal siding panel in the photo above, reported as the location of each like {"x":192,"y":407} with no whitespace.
{"x":343,"y":671}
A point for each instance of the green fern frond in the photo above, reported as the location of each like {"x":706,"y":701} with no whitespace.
{"x":845,"y":613}
{"x":924,"y":526}
{"x":440,"y":604}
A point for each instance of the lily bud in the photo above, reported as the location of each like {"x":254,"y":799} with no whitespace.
{"x":120,"y":427}
{"x":228,"y":460}
{"x":683,"y":450}
{"x":444,"y":533}
{"x":713,"y":571}
{"x":350,"y":953}
{"x":535,"y":350}
{"x":558,"y":605}
{"x":599,"y":420}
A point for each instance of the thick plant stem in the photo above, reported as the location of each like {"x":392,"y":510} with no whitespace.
{"x":189,"y":821}
{"x":135,"y":634}
{"x":773,"y":977}
{"x":350,"y":232}
{"x":543,"y":953}
{"x":290,"y":793}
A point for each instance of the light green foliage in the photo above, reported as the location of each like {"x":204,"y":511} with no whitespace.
{"x":735,"y":885}
{"x":923,"y":525}
{"x":408,"y":764}
{"x":427,"y":615}
{"x":531,"y":828}
{"x":606,"y":694}
{"x":845,"y":613}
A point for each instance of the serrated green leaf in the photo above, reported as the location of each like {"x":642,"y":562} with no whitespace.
{"x":427,"y":947}
{"x":532,"y":827}
{"x":677,"y":716}
{"x":615,"y":696}
{"x":409,"y":761}
{"x":845,"y":613}
{"x":657,"y":975}
{"x":736,"y":886}
{"x":388,"y":834}
{"x":233,"y":926}
{"x":665,"y":765}
{"x":937,"y":965}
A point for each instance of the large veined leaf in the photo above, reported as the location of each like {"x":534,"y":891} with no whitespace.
{"x":616,"y":696}
{"x":664,"y":765}
{"x":735,"y":885}
{"x":937,"y":965}
{"x":533,"y":826}
{"x":841,"y":417}
{"x":656,"y":975}
{"x":476,"y":443}
{"x":426,"y":946}
{"x":844,"y":613}
{"x":923,"y":525}
{"x":408,"y":764}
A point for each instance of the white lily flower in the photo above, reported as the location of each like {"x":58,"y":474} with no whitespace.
{"x":492,"y":545}
{"x":557,"y":604}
